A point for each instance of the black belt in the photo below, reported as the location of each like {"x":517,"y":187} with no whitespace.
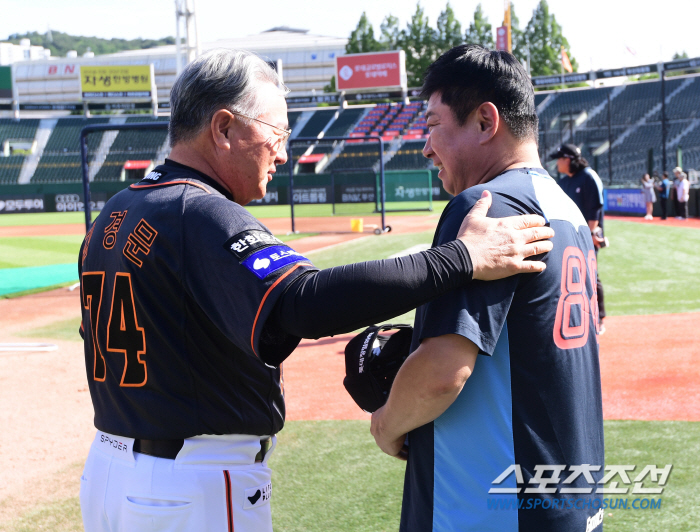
{"x":170,"y":448}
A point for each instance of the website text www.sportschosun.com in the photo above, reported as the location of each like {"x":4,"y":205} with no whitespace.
{"x":512,"y":503}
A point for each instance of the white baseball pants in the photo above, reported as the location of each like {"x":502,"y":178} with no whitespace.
{"x":213,"y":485}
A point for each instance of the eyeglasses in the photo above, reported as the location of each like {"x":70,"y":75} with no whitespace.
{"x":282,"y":137}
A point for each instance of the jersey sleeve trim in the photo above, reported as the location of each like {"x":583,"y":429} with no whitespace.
{"x":137,"y":187}
{"x":264,"y":298}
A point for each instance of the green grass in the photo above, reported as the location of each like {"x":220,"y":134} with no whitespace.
{"x":59,"y":330}
{"x":330,"y":476}
{"x":22,"y":251}
{"x":44,"y":218}
{"x":58,"y":516}
{"x":659,"y":443}
{"x":650,"y":269}
{"x":284,"y":211}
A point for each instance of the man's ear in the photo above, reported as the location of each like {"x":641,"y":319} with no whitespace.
{"x":488,"y":121}
{"x":220,"y":127}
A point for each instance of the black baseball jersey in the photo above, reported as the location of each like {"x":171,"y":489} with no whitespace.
{"x":532,"y":407}
{"x":586,"y":190}
{"x":177,"y":281}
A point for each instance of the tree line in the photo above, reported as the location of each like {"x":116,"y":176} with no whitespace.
{"x":539,"y":42}
{"x":61,"y":43}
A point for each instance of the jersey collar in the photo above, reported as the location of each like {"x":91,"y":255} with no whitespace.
{"x":201,"y":176}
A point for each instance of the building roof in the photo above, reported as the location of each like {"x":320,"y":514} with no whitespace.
{"x":279,"y":38}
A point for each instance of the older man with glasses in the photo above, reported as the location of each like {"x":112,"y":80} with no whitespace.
{"x":190,"y":305}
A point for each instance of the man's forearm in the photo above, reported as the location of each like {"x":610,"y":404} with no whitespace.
{"x":426,"y":385}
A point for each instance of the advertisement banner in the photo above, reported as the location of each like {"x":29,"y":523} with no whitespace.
{"x":312,"y":194}
{"x":74,"y":202}
{"x":22,"y":203}
{"x":115,"y":81}
{"x":502,"y":38}
{"x":6,"y":82}
{"x":371,"y":71}
{"x":628,"y":200}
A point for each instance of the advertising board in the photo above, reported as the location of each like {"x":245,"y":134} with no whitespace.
{"x":371,"y":71}
{"x":627,"y":200}
{"x":126,"y":81}
{"x":5,"y":82}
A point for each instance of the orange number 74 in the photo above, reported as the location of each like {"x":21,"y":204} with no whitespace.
{"x":123,"y":332}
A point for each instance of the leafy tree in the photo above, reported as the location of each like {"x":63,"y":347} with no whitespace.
{"x":362,"y":38}
{"x":60,"y":43}
{"x":480,"y":31}
{"x":682,"y":55}
{"x":391,"y":34}
{"x":545,"y":37}
{"x":418,"y":40}
{"x":331,"y":86}
{"x":449,"y":30}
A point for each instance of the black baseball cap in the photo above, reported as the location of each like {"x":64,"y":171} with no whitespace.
{"x":567,"y":150}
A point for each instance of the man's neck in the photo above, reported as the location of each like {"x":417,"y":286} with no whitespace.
{"x":189,"y":155}
{"x":518,"y":155}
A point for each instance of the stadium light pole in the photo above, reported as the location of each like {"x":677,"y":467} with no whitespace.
{"x":610,"y":140}
{"x":663,"y":119}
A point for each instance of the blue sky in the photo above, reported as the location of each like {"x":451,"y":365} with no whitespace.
{"x":599,"y":31}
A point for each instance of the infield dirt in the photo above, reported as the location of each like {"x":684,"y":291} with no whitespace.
{"x":649,"y":372}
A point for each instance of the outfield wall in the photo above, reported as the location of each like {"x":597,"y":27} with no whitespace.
{"x":68,"y":197}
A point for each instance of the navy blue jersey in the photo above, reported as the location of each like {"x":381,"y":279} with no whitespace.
{"x":586,"y":190}
{"x":533,"y":401}
{"x":177,"y":281}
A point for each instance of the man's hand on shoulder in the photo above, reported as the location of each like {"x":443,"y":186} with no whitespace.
{"x":498,"y":247}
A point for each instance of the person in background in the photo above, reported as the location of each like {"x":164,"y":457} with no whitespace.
{"x":682,"y":193}
{"x":663,"y":187}
{"x":585,"y":188}
{"x":649,"y":195}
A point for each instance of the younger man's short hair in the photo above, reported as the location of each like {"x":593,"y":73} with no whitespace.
{"x":468,"y":75}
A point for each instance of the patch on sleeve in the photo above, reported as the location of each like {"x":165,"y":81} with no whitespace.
{"x":154,"y":176}
{"x":248,"y":242}
{"x":270,"y":259}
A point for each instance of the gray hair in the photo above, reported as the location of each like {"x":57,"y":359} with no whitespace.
{"x":219,"y":79}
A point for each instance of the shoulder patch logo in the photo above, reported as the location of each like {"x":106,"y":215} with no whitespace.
{"x":248,"y":242}
{"x":271,"y":258}
{"x":261,"y":264}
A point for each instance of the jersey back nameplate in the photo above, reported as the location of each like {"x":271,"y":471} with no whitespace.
{"x":245,"y":243}
{"x":270,"y":259}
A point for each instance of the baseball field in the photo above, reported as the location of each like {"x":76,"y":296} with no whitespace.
{"x":327,"y":473}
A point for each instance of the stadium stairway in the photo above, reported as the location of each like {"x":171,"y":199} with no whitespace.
{"x":103,"y":149}
{"x":43,"y":133}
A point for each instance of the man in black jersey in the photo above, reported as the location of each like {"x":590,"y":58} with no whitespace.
{"x":190,"y":305}
{"x":582,"y":184}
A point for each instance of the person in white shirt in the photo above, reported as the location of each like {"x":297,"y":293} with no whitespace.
{"x":682,"y":193}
